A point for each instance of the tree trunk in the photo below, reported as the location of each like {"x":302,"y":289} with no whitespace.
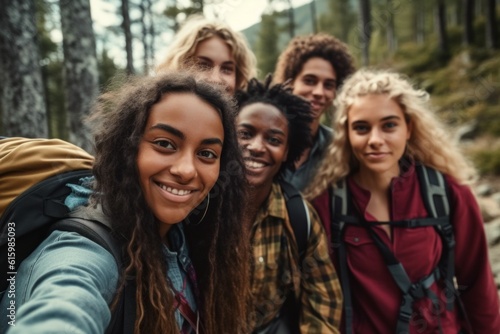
{"x":151,"y":30}
{"x":491,"y":25}
{"x":468,"y":12}
{"x":345,"y":19}
{"x":365,"y":30}
{"x":23,"y":106}
{"x":419,"y":22}
{"x":441,"y":27}
{"x":128,"y":37}
{"x":291,"y":19}
{"x":391,"y":36}
{"x":314,"y":20}
{"x":145,"y":46}
{"x":81,"y":75}
{"x":459,"y":12}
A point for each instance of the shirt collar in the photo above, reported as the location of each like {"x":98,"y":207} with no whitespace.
{"x":274,"y":204}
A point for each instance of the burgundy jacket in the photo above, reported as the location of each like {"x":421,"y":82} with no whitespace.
{"x":375,"y":296}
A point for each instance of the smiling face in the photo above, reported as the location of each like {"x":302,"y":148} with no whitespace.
{"x":179,"y":156}
{"x":378,"y":133}
{"x":317,"y":83}
{"x":214,"y":60}
{"x":263,"y":136}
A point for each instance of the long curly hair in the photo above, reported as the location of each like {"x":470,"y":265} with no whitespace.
{"x":430,"y":143}
{"x":196,"y":29}
{"x":295,"y":109}
{"x":302,"y":48}
{"x":218,"y":246}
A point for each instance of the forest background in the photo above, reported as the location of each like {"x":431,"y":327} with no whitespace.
{"x":448,"y":47}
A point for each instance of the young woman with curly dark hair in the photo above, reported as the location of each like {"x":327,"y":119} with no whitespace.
{"x":169,"y":179}
{"x":316,"y":65}
{"x":273,"y":130}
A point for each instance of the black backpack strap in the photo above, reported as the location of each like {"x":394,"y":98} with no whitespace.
{"x":123,"y":316}
{"x":434,"y":193}
{"x":298,"y":214}
{"x":410,"y":291}
{"x":434,"y":188}
{"x":338,"y":211}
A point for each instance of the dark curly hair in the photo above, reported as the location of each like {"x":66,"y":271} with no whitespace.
{"x":295,"y":109}
{"x":218,"y":246}
{"x":301,"y":48}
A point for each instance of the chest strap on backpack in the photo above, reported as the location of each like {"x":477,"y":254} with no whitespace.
{"x":410,"y":291}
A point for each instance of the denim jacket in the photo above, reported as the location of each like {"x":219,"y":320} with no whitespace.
{"x":47,"y":301}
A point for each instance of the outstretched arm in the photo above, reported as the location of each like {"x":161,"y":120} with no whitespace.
{"x":64,"y":286}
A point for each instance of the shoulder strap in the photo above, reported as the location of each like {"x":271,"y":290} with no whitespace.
{"x":433,"y":187}
{"x":299,"y":215}
{"x":435,"y":196}
{"x":338,"y":208}
{"x":123,"y":316}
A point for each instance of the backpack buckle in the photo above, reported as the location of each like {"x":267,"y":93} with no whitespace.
{"x":417,"y":290}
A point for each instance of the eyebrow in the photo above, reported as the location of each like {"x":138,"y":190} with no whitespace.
{"x":274,"y":131}
{"x":180,"y":134}
{"x":212,"y":141}
{"x":383,"y":119}
{"x":232,"y":62}
{"x":169,"y":129}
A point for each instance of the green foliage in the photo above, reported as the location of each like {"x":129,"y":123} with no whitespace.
{"x":54,"y":96}
{"x":267,"y":50}
{"x":487,"y":162}
{"x":339,"y":19}
{"x":174,"y":12}
{"x":107,"y":68}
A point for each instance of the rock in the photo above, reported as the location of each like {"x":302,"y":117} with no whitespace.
{"x":467,"y":131}
{"x":492,"y":230}
{"x":483,"y":190}
{"x":489,"y":208}
{"x":496,"y":198}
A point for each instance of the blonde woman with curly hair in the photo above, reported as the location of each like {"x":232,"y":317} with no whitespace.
{"x":396,"y":260}
{"x":213,"y":49}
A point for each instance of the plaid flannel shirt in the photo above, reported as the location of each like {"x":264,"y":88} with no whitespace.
{"x":276,"y":269}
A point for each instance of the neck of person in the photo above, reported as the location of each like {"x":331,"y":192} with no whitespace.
{"x":256,"y":198}
{"x":314,"y":128}
{"x":378,"y":185}
{"x":373,"y":181}
{"x":305,"y":155}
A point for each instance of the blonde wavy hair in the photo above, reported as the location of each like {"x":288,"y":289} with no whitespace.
{"x":196,"y":29}
{"x":430,"y":143}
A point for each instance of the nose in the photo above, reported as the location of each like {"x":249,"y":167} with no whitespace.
{"x":184,"y":167}
{"x":215,"y":76}
{"x":255,"y":146}
{"x":318,"y":90}
{"x":375,"y":139}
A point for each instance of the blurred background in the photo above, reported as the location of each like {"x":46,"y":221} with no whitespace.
{"x":448,"y":47}
{"x":56,"y":56}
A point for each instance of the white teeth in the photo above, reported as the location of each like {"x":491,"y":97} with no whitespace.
{"x":254,"y":164}
{"x":174,"y":191}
